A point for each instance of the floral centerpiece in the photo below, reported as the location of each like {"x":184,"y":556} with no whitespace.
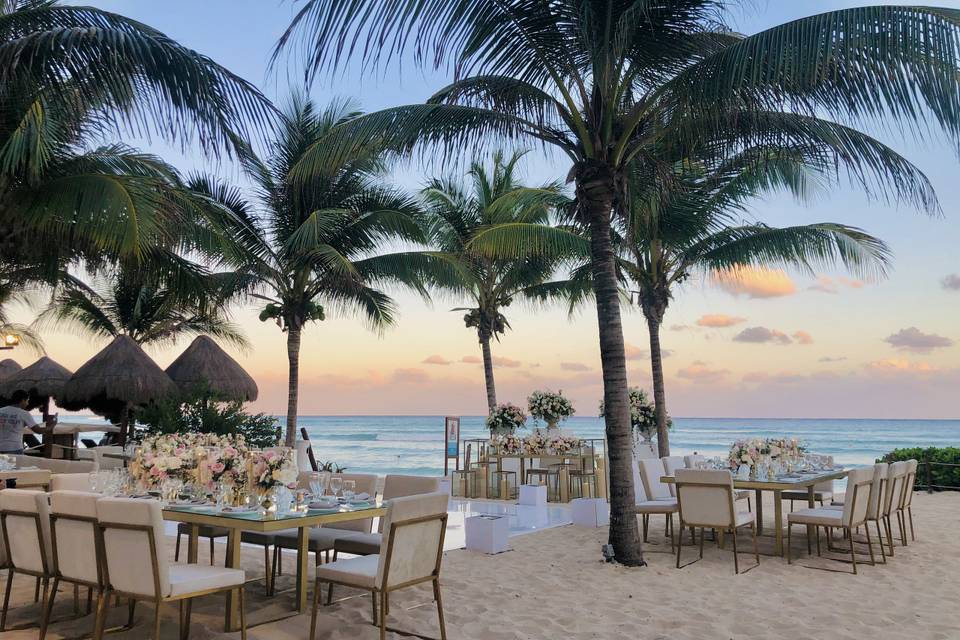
{"x":506,"y":418}
{"x":508,"y":443}
{"x":549,"y":407}
{"x":224,"y":465}
{"x":746,"y":451}
{"x":203,"y":458}
{"x":269,"y":469}
{"x":536,"y":444}
{"x":643,"y":416}
{"x":563,"y":445}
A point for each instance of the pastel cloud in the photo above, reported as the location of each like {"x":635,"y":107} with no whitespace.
{"x":762,"y":335}
{"x":508,"y":363}
{"x":802,"y":337}
{"x":898,"y":366}
{"x":636,"y":353}
{"x":700,"y":372}
{"x":951,"y":282}
{"x":410,"y":376}
{"x":435,"y":359}
{"x":574,"y":366}
{"x":762,"y":377}
{"x":832,"y":359}
{"x":912,"y":339}
{"x":680,"y":327}
{"x":471,"y":360}
{"x":719,"y":320}
{"x":754,"y":282}
{"x":826,"y":284}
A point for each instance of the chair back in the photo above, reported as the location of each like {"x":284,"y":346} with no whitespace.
{"x":670,"y":466}
{"x":908,"y":481}
{"x":857,"y":499}
{"x":692,"y":461}
{"x":896,"y":474}
{"x":412,"y":546}
{"x":876,"y":489}
{"x":398,"y":486}
{"x":73,"y":534}
{"x":26,"y":530}
{"x":705,"y":497}
{"x":106,"y":457}
{"x":651,"y":470}
{"x":134,"y":549}
{"x":366,"y":483}
{"x":71,"y":482}
{"x":638,"y":493}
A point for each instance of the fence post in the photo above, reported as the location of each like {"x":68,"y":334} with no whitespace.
{"x":929,"y":477}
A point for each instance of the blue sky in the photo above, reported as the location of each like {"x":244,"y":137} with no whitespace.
{"x":848,"y":367}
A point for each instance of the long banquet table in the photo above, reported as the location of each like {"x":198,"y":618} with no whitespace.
{"x":239,"y":522}
{"x":779,"y":484}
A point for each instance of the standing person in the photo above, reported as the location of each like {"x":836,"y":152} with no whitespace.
{"x":14,"y":418}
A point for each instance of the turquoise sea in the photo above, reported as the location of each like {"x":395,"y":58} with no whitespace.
{"x":414,"y":444}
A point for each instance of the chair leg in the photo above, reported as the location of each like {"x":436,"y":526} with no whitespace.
{"x":809,"y":546}
{"x":646,"y":521}
{"x":100,"y":620}
{"x":76,"y":600}
{"x":816,"y":532}
{"x":186,"y":618}
{"x":313,"y":613}
{"x":866,"y":527}
{"x":702,"y":536}
{"x":901,"y":519}
{"x":736,"y":560}
{"x":886,"y":524}
{"x":279,"y":552}
{"x":6,"y":600}
{"x":176,"y":552}
{"x":156,"y":620}
{"x":242,"y":595}
{"x":211,"y":551}
{"x":89,"y":600}
{"x":373,"y":606}
{"x":789,"y":537}
{"x":384,"y":603}
{"x":275,"y":569}
{"x":36,"y":591}
{"x":267,"y":568}
{"x":883,"y":552}
{"x":131,"y":610}
{"x":756,"y":551}
{"x":853,"y":553}
{"x":436,"y":596}
{"x":913,"y":536}
{"x":48,"y":607}
{"x":679,"y":548}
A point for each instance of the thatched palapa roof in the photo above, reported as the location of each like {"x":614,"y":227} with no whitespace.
{"x":120,"y":375}
{"x":205,"y":364}
{"x":8,"y":367}
{"x":44,"y":378}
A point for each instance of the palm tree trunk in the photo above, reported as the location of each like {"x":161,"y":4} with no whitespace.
{"x":293,"y":387}
{"x":659,"y":397}
{"x":624,"y":534}
{"x":488,"y":374}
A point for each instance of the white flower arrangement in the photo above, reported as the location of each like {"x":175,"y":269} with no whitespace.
{"x":562,"y":445}
{"x":271,"y":468}
{"x":536,"y":444}
{"x":549,"y":406}
{"x":506,"y":418}
{"x":752,"y":451}
{"x":508,"y":443}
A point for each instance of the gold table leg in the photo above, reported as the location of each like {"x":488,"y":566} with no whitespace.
{"x":759,"y":503}
{"x":231,"y":616}
{"x":194,"y":543}
{"x":812,"y":504}
{"x":778,"y":519}
{"x":303,"y":551}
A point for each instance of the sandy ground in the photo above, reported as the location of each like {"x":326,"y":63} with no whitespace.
{"x":553,"y":585}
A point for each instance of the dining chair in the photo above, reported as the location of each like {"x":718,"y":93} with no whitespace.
{"x":25,"y":518}
{"x":135,"y":565}
{"x":896,"y":478}
{"x":75,"y":543}
{"x":694,"y":461}
{"x":670,"y":466}
{"x":71,"y":482}
{"x":657,"y":498}
{"x":705,"y":499}
{"x":854,"y":514}
{"x":411,"y":553}
{"x":906,"y":507}
{"x":822,"y":491}
{"x":877,"y":488}
{"x":322,"y":539}
{"x":206,"y":531}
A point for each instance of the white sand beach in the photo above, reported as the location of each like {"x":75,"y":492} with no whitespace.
{"x":553,"y":584}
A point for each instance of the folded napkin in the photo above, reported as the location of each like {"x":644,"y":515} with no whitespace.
{"x":361,"y":497}
{"x":323,"y":505}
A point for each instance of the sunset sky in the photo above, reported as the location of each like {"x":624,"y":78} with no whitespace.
{"x":770,"y":344}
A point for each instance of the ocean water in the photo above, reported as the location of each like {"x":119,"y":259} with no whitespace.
{"x":414,"y":444}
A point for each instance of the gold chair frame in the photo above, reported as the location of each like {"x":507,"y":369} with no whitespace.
{"x":733,"y":528}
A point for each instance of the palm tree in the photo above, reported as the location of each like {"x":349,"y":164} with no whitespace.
{"x":314,"y":239}
{"x":455,"y":213}
{"x":71,"y":76}
{"x":150,"y":306}
{"x":603,"y":80}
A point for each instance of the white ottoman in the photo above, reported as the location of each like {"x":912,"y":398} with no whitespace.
{"x":590,"y":512}
{"x":533,"y":495}
{"x":445,"y":485}
{"x":487,"y":533}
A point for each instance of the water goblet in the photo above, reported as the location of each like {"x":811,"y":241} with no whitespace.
{"x":336,"y":484}
{"x":349,"y":489}
{"x":316,"y":485}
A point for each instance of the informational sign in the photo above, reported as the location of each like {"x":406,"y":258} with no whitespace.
{"x":451,"y":438}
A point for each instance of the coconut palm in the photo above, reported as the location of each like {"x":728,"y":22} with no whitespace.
{"x":456,"y":212}
{"x":315,"y":241}
{"x":604,"y":80}
{"x":151,"y":306}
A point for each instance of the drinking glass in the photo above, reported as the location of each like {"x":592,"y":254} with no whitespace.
{"x":316,"y":484}
{"x":336,"y":484}
{"x":349,"y":489}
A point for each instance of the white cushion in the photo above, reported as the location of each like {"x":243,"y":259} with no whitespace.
{"x":658,"y":506}
{"x":321,"y":539}
{"x":361,"y":544}
{"x":744,"y":517}
{"x":192,"y":578}
{"x":823,"y":517}
{"x":71,"y":482}
{"x":361,"y":572}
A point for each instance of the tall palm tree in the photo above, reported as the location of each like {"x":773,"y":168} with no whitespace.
{"x":315,"y":240}
{"x":150,"y":306}
{"x":456,"y":212}
{"x":602,"y":80}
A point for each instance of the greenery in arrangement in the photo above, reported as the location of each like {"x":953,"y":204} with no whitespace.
{"x":643,"y":416}
{"x":940,"y":476}
{"x":314,"y":234}
{"x":197,"y":412}
{"x":456,"y":212}
{"x":506,"y":418}
{"x":331,"y":467}
{"x":607,"y":83}
{"x":549,"y":406}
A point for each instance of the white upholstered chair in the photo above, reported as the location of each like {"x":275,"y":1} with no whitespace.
{"x":854,"y":514}
{"x":892,"y":498}
{"x":906,"y":503}
{"x":693,"y":461}
{"x":411,"y":553}
{"x":822,"y":491}
{"x":71,"y":482}
{"x":670,"y":466}
{"x":136,"y":566}
{"x":25,"y":516}
{"x":74,"y":540}
{"x":706,"y":501}
{"x":657,"y":499}
{"x":877,"y":489}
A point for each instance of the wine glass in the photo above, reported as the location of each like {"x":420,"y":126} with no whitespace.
{"x":349,"y":489}
{"x":336,"y":484}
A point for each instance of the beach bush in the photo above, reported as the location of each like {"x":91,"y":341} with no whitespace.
{"x":198,"y":413}
{"x":939,"y":476}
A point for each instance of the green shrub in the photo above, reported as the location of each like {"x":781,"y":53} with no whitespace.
{"x":200,"y":413}
{"x":939,"y":476}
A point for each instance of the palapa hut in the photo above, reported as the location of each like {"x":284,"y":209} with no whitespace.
{"x":8,"y":367}
{"x":115,"y":381}
{"x":44,"y":379}
{"x":205,"y":365}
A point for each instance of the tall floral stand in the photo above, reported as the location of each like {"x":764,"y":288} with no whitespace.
{"x":645,"y":449}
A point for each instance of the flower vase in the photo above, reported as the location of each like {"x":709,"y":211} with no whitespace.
{"x":266,"y":501}
{"x":552,"y":425}
{"x":753,"y":471}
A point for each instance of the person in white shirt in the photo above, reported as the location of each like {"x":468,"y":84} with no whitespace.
{"x":14,"y":418}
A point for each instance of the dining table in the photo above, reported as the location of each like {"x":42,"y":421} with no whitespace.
{"x":236,"y":522}
{"x":777,"y":484}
